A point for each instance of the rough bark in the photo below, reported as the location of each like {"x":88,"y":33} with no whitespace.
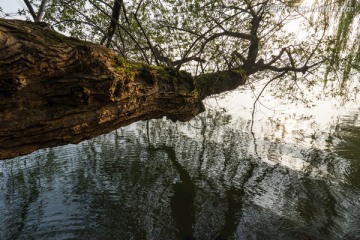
{"x":56,"y":90}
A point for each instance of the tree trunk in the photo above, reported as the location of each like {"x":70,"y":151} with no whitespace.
{"x":56,"y":90}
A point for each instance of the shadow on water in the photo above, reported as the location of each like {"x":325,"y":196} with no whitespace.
{"x":197,"y":180}
{"x":182,"y":201}
{"x":233,"y":214}
{"x":349,"y":148}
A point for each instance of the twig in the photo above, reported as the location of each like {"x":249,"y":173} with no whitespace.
{"x":146,"y":37}
{"x":258,"y":97}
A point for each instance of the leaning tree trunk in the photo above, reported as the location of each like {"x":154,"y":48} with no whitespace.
{"x":56,"y":90}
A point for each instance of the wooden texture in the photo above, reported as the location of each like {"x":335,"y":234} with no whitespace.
{"x":56,"y":90}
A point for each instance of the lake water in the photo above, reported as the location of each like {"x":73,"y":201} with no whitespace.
{"x":296,"y":177}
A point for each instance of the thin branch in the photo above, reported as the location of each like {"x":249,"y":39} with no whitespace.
{"x":275,"y":58}
{"x":228,"y":34}
{"x":219,"y":25}
{"x":302,"y":69}
{"x":115,"y":15}
{"x":126,"y":31}
{"x":136,"y":43}
{"x":90,"y":24}
{"x":239,"y":56}
{"x":180,"y":29}
{"x":138,"y":7}
{"x":258,"y":97}
{"x":31,"y":9}
{"x":146,"y":37}
{"x":185,"y":60}
{"x":175,"y":63}
{"x":291,"y":58}
{"x":204,"y":34}
{"x":105,"y":3}
{"x":317,"y":46}
{"x":125,"y":14}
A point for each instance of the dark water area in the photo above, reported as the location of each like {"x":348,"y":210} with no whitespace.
{"x":206,"y":179}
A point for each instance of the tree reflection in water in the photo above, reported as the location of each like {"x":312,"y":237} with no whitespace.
{"x":196,"y":180}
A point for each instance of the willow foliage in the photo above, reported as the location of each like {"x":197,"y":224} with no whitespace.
{"x":321,"y":43}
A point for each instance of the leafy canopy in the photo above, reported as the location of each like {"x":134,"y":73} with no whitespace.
{"x":263,"y":39}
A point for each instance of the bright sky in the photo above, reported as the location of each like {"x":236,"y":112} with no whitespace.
{"x":11,"y":6}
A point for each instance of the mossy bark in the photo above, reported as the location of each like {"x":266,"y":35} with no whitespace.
{"x":56,"y":90}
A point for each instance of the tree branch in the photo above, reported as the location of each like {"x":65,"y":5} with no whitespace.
{"x":175,"y":63}
{"x":100,"y":91}
{"x":40,"y":13}
{"x":302,"y":69}
{"x":145,"y":35}
{"x":180,"y":29}
{"x":188,"y":59}
{"x":204,"y":34}
{"x":228,"y":34}
{"x":126,"y":31}
{"x":258,"y":97}
{"x":31,"y":9}
{"x":275,"y":58}
{"x":113,"y":22}
{"x":254,"y":42}
{"x":239,"y":55}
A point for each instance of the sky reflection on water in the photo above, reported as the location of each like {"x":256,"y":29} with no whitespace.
{"x":299,"y":178}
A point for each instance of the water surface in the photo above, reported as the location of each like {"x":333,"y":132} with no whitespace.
{"x":297,"y":177}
